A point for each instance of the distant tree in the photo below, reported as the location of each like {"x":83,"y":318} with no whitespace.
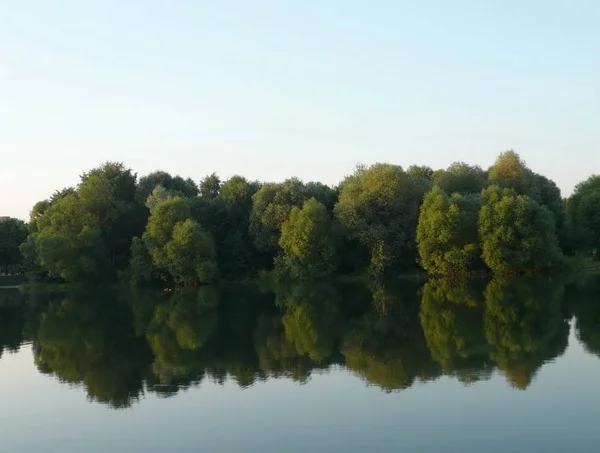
{"x":447,"y":236}
{"x":379,"y":206}
{"x":517,"y":234}
{"x":308,"y":243}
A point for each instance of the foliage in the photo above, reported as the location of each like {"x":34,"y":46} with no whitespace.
{"x":13,"y":232}
{"x":447,"y":235}
{"x":379,"y":206}
{"x":584,"y":214}
{"x":308,"y":242}
{"x":517,"y":234}
{"x":460,"y":178}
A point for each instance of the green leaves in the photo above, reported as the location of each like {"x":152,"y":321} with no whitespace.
{"x":309,"y":243}
{"x":447,"y":237}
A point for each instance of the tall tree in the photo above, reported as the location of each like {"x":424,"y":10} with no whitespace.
{"x":13,"y":232}
{"x":447,"y":236}
{"x":379,"y":206}
{"x":308,"y":242}
{"x":461,"y":178}
{"x":517,"y":234}
{"x":584,"y":214}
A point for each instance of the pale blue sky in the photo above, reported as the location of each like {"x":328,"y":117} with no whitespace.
{"x":272,"y":89}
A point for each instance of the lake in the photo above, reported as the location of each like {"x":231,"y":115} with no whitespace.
{"x":416,"y":366}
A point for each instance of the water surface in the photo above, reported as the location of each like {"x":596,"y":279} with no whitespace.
{"x":495,"y":366}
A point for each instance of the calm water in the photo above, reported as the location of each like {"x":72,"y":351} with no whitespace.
{"x":500,"y":366}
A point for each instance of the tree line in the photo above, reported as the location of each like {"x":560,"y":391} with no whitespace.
{"x":120,"y":344}
{"x":382,"y":219}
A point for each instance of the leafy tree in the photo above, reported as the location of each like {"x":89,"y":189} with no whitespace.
{"x":69,"y":242}
{"x":584,"y":214}
{"x":191,"y":254}
{"x":308,"y":242}
{"x":447,"y":236}
{"x":177,"y":245}
{"x":461,"y":178}
{"x":517,"y":234}
{"x":422,"y":172}
{"x":176,"y":185}
{"x":271,"y":207}
{"x":379,"y":206}
{"x":210,"y":186}
{"x":510,"y":171}
{"x":13,"y":232}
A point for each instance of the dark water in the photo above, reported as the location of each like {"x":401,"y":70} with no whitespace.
{"x":489,"y":366}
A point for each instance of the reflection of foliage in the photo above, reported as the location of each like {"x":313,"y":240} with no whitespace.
{"x":451,"y":316}
{"x":180,"y":326}
{"x":386,"y":346}
{"x":276,"y":355}
{"x":87,"y":339}
{"x":116,"y":345}
{"x":585,"y":303}
{"x":311,"y":319}
{"x":12,"y":319}
{"x":524,"y":325}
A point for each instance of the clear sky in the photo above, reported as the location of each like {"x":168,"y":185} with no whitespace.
{"x":272,"y":89}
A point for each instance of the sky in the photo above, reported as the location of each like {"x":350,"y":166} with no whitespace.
{"x":273,"y":89}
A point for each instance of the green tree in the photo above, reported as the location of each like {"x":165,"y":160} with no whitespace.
{"x":308,"y":242}
{"x":13,"y":232}
{"x":461,"y":178}
{"x":179,"y":248}
{"x":517,"y":234}
{"x":69,"y":242}
{"x":379,"y":207}
{"x":210,"y":186}
{"x":191,"y":254}
{"x":447,"y":236}
{"x":584,"y":215}
{"x":176,"y":185}
{"x":271,"y":207}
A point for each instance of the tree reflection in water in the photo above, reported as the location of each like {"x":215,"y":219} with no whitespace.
{"x":120,"y":345}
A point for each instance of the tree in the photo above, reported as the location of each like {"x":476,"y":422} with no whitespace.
{"x":191,"y":254}
{"x":308,"y":242}
{"x":510,"y":171}
{"x":447,"y":236}
{"x":179,"y":248}
{"x":461,"y":178}
{"x":584,"y":215}
{"x":517,"y":234}
{"x":69,"y":242}
{"x":379,"y":206}
{"x":210,"y":186}
{"x":176,"y":185}
{"x":271,"y":207}
{"x":13,"y":232}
